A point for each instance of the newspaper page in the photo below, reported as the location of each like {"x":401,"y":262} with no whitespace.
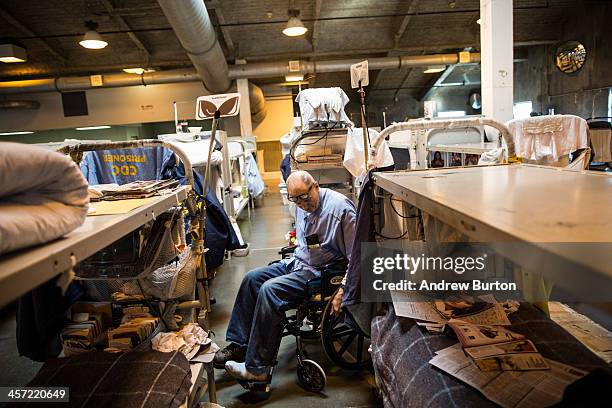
{"x":589,"y":333}
{"x":484,"y":310}
{"x":509,"y":388}
{"x":471,"y":335}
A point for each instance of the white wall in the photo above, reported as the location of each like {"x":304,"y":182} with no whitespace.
{"x":107,"y":106}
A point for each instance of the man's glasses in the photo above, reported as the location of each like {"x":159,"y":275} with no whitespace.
{"x":301,"y":197}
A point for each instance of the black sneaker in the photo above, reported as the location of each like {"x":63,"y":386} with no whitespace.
{"x":232,"y":352}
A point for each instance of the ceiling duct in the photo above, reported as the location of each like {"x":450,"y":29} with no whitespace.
{"x":191,"y":24}
{"x":19,"y":105}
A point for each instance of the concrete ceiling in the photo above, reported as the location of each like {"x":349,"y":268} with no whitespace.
{"x":139,"y":34}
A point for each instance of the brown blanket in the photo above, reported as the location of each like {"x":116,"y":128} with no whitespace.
{"x":134,"y":379}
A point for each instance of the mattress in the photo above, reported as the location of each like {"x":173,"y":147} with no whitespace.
{"x":43,"y":196}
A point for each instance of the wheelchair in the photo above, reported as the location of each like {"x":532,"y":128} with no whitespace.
{"x":343,"y":342}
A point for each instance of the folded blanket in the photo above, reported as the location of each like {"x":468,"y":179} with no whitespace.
{"x":133,"y":379}
{"x":43,"y":196}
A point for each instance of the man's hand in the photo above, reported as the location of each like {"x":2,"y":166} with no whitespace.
{"x":336,"y":302}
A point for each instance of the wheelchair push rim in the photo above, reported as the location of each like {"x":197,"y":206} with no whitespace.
{"x":311,"y":376}
{"x":346,"y":347}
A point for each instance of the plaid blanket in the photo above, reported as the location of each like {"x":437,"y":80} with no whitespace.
{"x":133,"y":379}
{"x":401,"y":351}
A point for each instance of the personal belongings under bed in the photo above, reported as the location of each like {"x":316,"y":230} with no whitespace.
{"x":191,"y":340}
{"x":133,"y":379}
{"x":43,"y":196}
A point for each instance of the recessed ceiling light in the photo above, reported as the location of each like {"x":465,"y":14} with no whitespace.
{"x":12,"y":53}
{"x":16,"y":133}
{"x":138,"y":71}
{"x":434,"y":70}
{"x":294,"y":77}
{"x":92,"y":40}
{"x":93,"y":127}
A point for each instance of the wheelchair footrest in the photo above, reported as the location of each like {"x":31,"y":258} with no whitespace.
{"x":255,"y":386}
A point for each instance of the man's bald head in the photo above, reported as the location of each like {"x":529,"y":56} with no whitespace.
{"x":299,"y":177}
{"x":303,"y":190}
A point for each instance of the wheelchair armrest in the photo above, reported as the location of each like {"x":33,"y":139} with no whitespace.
{"x":287,"y":250}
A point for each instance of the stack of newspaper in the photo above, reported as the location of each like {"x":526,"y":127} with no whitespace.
{"x":589,"y":333}
{"x":532,"y":388}
{"x":135,"y":189}
{"x":434,"y":314}
{"x":495,"y":348}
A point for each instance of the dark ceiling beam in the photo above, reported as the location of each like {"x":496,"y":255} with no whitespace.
{"x":316,"y":25}
{"x":125,"y":26}
{"x":225,"y":32}
{"x":18,"y":25}
{"x":396,"y":39}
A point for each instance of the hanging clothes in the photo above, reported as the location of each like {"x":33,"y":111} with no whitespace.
{"x":354,"y":157}
{"x":220,"y":235}
{"x":254,"y":180}
{"x":548,"y":137}
{"x":323,"y":104}
{"x":122,"y":166}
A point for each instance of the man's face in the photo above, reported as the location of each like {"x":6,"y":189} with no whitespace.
{"x":306,"y":197}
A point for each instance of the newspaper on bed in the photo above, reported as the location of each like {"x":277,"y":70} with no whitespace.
{"x":471,"y":335}
{"x":509,"y":388}
{"x":589,"y":333}
{"x":483,"y":309}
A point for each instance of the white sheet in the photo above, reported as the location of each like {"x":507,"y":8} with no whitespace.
{"x":43,"y":196}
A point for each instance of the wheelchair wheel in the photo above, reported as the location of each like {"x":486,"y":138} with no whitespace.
{"x":345,"y":346}
{"x":311,"y":376}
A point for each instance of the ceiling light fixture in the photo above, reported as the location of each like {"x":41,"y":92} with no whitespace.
{"x":294,"y":77}
{"x":92,"y":40}
{"x":295,"y":27}
{"x":93,"y":127}
{"x":434,"y":70}
{"x":138,"y":71}
{"x":12,"y":53}
{"x":16,"y":133}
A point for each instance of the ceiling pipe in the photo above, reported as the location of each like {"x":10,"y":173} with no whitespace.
{"x":276,"y":69}
{"x":253,"y":70}
{"x":191,"y":24}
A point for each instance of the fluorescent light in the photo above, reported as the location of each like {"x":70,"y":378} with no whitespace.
{"x":93,"y":127}
{"x":434,"y":70}
{"x":294,"y":77}
{"x":451,"y":114}
{"x":16,"y":133}
{"x":138,"y":71}
{"x":12,"y":53}
{"x":294,"y":28}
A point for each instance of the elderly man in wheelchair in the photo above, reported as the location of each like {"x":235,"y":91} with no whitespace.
{"x":325,"y":222}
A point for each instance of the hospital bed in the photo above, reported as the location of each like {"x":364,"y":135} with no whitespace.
{"x":416,"y":149}
{"x":531,"y":216}
{"x":26,"y":269}
{"x":320,"y":152}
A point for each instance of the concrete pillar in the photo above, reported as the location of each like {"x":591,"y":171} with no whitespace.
{"x":246,"y":126}
{"x":497,"y":55}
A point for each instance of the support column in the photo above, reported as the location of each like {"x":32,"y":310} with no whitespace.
{"x":497,"y":55}
{"x":246,"y":126}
